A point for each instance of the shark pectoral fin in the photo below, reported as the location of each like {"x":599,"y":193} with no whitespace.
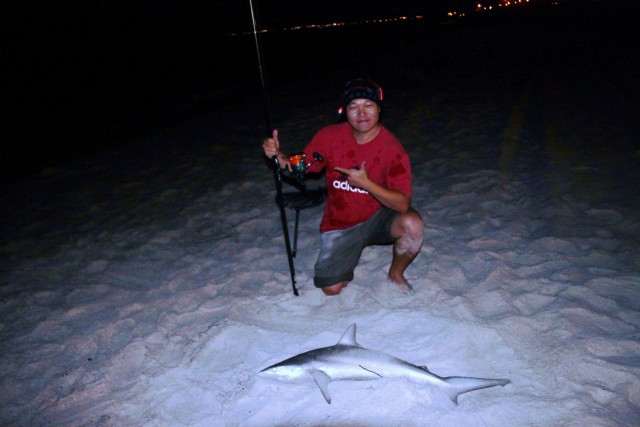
{"x":323,"y":381}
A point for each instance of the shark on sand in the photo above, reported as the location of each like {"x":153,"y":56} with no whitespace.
{"x":347,"y":360}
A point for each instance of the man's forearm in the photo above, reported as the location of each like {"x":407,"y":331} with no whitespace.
{"x":392,"y":199}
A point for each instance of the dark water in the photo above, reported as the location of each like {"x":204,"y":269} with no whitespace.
{"x":81,"y":87}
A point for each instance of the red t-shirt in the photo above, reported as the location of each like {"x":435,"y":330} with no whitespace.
{"x":387,"y":164}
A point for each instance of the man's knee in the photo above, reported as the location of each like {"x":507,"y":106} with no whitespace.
{"x":409,"y":224}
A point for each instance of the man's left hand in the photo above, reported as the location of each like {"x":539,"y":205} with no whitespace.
{"x":356,"y":177}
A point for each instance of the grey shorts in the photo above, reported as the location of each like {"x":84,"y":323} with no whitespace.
{"x":341,"y":249}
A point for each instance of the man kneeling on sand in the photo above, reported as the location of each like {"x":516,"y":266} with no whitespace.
{"x":368,"y":179}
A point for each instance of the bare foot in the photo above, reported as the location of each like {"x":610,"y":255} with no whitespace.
{"x":402,"y":284}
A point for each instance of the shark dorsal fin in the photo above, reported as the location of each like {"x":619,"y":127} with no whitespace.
{"x":349,"y":337}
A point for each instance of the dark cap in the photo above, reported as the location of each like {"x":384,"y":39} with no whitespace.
{"x":360,"y":88}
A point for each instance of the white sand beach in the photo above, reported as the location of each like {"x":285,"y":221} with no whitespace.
{"x":148,"y":285}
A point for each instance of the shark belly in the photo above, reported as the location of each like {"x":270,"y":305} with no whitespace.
{"x":361,"y":364}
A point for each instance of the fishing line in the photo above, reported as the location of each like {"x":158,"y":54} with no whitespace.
{"x":263,"y":80}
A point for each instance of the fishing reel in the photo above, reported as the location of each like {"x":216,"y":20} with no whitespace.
{"x":299,"y":166}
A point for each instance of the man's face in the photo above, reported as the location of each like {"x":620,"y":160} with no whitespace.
{"x":363,"y":114}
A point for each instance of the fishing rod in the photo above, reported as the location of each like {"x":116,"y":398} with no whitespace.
{"x":277,"y":172}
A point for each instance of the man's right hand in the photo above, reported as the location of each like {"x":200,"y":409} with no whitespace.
{"x":271,"y":146}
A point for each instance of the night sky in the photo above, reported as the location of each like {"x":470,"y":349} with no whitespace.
{"x":74,"y":64}
{"x":76,"y":67}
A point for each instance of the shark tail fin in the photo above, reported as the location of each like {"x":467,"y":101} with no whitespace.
{"x":458,"y":385}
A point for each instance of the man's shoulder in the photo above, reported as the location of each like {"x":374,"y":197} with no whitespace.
{"x":391,"y":141}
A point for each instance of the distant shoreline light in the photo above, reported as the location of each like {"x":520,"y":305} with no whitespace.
{"x":480,"y":6}
{"x":332,"y":25}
